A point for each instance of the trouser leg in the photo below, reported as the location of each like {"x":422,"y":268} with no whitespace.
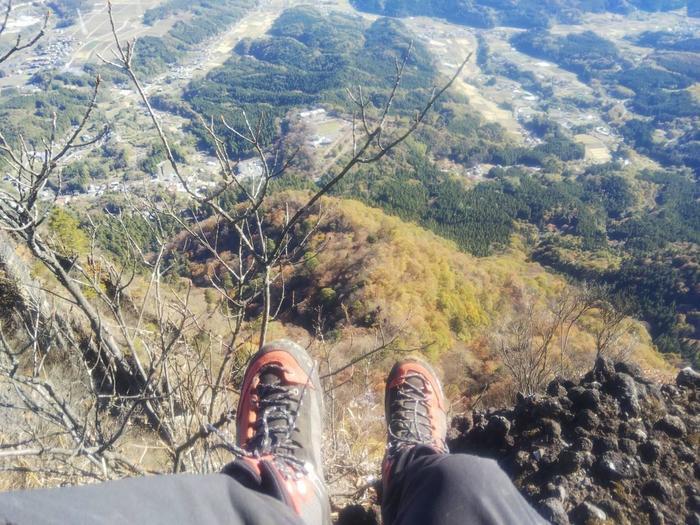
{"x":429,"y":488}
{"x":175,"y":499}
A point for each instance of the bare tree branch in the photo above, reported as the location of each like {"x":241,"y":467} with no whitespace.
{"x":19,"y":45}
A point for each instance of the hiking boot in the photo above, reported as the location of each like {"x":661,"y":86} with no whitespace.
{"x":415,"y":407}
{"x":280,"y":423}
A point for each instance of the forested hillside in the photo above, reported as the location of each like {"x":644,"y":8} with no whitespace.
{"x":196,"y":23}
{"x":590,"y":226}
{"x":306,"y":59}
{"x":593,"y":224}
{"x":598,"y":223}
{"x":508,"y":188}
{"x":526,"y":14}
{"x":364,"y":269}
{"x":267,"y":77}
{"x":659,"y":86}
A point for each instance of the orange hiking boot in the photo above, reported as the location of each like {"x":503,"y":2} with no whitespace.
{"x":415,"y":407}
{"x":279,"y":425}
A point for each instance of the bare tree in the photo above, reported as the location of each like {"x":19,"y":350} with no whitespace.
{"x":567,"y":309}
{"x":58,"y":425}
{"x":18,"y":44}
{"x":372,"y":138}
{"x":525,"y":345}
{"x":611,"y":324}
{"x":139,"y":350}
{"x":534,"y":343}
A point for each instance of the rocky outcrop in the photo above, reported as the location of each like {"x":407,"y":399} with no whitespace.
{"x":611,"y":448}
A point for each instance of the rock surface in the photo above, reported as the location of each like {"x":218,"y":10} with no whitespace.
{"x":614,"y":448}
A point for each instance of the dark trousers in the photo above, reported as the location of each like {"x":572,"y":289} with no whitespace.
{"x":424,"y":488}
{"x":427,"y":488}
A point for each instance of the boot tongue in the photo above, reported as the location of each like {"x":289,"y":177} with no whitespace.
{"x":269,"y":377}
{"x":416,"y":381}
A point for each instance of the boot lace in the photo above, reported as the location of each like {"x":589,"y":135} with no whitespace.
{"x":278,"y":408}
{"x":410,"y":421}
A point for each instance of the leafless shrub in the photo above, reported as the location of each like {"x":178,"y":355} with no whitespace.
{"x":534,"y":344}
{"x":140,"y":359}
{"x":19,"y":44}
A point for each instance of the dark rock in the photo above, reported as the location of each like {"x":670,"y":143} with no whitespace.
{"x":653,"y":513}
{"x":654,"y":391}
{"x":549,"y":408}
{"x":671,"y":391}
{"x":693,"y":519}
{"x":692,"y":420}
{"x":462,"y":423}
{"x":554,"y":490}
{"x":650,"y":451}
{"x":613,"y":466}
{"x":590,"y":449}
{"x":656,"y":517}
{"x":686,"y":454}
{"x":567,"y":383}
{"x":560,"y":480}
{"x":608,"y":425}
{"x":497,"y":429}
{"x":555,"y":388}
{"x":688,"y":378}
{"x":530,"y":490}
{"x":639,"y":435}
{"x":603,"y":369}
{"x":588,"y":514}
{"x":693,"y":503}
{"x":583,"y":444}
{"x":580,"y":432}
{"x":479,"y":420}
{"x":643,"y":469}
{"x":657,"y":489}
{"x":669,"y":462}
{"x":612,"y":509}
{"x":628,"y":446}
{"x":672,"y":425}
{"x":642,"y":390}
{"x":551,"y":430}
{"x":552,"y":509}
{"x":565,"y":403}
{"x":631,"y":431}
{"x":604,"y":444}
{"x":570,"y":461}
{"x":587,"y":419}
{"x":575,"y":393}
{"x":548,"y":458}
{"x":357,"y":515}
{"x":624,"y":389}
{"x":589,"y":398}
{"x":523,"y":462}
{"x":628,"y":368}
{"x":588,"y":460}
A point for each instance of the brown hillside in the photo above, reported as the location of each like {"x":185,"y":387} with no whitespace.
{"x":362,"y":269}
